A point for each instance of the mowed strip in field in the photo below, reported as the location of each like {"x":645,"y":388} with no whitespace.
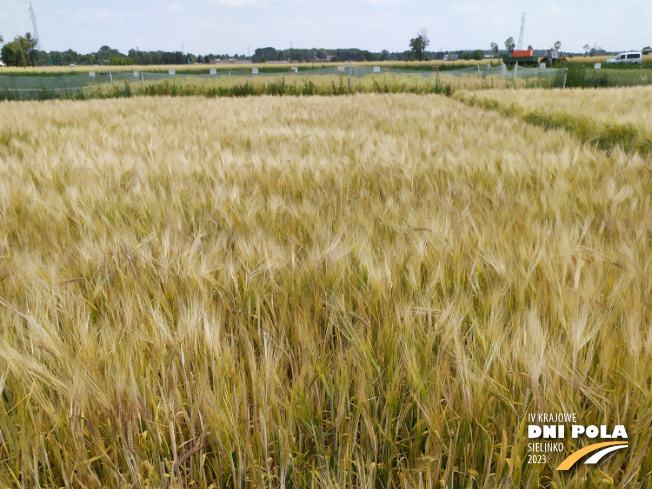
{"x":326,"y":291}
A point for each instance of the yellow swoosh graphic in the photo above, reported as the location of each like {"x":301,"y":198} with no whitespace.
{"x":574,"y":457}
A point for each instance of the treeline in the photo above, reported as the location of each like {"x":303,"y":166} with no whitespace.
{"x":175,"y":58}
{"x":23,"y":51}
{"x":262,"y":55}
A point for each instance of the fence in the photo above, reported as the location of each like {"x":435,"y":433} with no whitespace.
{"x":18,"y":86}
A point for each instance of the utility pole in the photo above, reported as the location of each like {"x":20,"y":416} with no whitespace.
{"x":350,"y":74}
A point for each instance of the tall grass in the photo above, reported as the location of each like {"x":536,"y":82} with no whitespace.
{"x":366,"y":291}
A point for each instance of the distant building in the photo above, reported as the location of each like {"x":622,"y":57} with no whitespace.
{"x":215,"y":61}
{"x":328,"y":59}
{"x":277,"y":62}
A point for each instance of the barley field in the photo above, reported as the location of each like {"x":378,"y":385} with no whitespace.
{"x":370,"y":291}
{"x":606,"y":105}
{"x":306,"y":85}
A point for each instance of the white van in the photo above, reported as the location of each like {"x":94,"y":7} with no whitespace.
{"x":630,"y":57}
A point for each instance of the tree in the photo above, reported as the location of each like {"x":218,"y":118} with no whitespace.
{"x":510,"y":45}
{"x":645,"y":49}
{"x":20,"y":52}
{"x":529,"y":46}
{"x":419,"y":44}
{"x":269,"y":53}
{"x":70,"y":56}
{"x":586,"y":49}
{"x":121,"y":60}
{"x":104,"y":55}
{"x":369,"y":56}
{"x":87,"y":59}
{"x":30,"y":44}
{"x":9,"y":54}
{"x":478,"y":54}
{"x":494,"y":48}
{"x":384,"y":56}
{"x":557,"y":45}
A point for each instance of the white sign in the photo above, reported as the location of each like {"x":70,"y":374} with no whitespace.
{"x":136,"y":74}
{"x":91,"y":74}
{"x":172,"y":72}
{"x":376,"y":69}
{"x":597,"y":66}
{"x":542,"y":66}
{"x":341,"y":69}
{"x":254,"y":71}
{"x":294,"y":69}
{"x":213,"y":71}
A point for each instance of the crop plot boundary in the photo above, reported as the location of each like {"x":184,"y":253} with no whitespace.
{"x":606,"y":136}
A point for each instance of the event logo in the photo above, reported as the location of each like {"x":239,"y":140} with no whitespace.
{"x":553,"y":427}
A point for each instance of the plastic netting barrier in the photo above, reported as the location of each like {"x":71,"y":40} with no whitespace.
{"x":37,"y":85}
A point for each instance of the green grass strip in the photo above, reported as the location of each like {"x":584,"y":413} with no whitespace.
{"x":606,"y":136}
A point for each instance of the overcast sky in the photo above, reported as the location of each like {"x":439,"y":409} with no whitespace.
{"x":240,"y":26}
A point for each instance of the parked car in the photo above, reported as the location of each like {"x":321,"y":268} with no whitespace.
{"x":626,"y":58}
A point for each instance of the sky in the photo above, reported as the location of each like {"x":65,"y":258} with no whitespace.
{"x":241,"y":26}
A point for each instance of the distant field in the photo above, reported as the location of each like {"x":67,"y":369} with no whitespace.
{"x":368,"y":291}
{"x":235,"y":67}
{"x":590,"y":60}
{"x":239,"y":67}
